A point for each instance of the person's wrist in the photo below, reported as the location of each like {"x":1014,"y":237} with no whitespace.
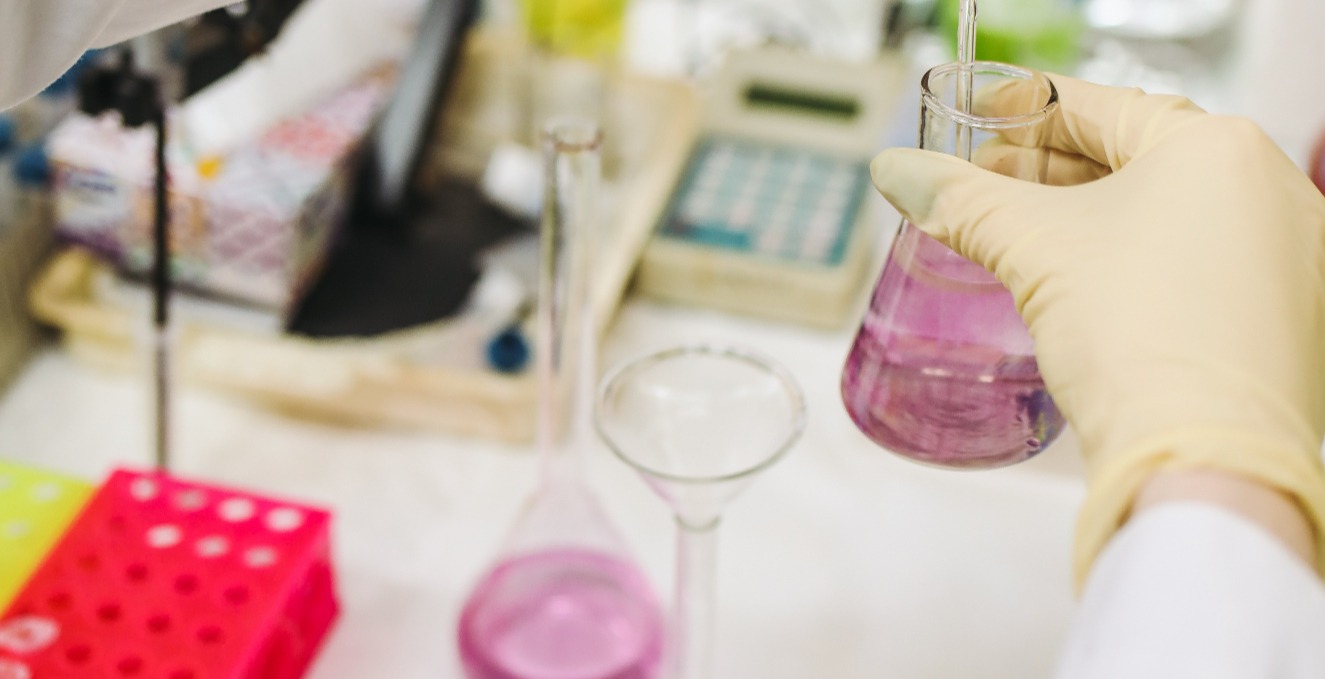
{"x":1273,"y":511}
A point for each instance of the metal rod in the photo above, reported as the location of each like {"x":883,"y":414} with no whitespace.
{"x":161,"y":284}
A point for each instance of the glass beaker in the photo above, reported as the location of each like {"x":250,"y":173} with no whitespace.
{"x":564,"y":601}
{"x":943,"y":370}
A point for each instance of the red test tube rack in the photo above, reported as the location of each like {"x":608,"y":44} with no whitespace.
{"x":160,"y":578}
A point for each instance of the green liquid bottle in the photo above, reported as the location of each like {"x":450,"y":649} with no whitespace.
{"x":588,"y":29}
{"x":1040,"y":34}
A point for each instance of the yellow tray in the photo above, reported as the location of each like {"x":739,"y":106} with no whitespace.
{"x":36,"y":507}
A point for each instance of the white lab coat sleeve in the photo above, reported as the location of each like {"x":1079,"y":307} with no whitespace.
{"x":41,"y":39}
{"x":1189,"y":590}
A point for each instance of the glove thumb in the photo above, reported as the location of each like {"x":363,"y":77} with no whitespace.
{"x":979,"y":214}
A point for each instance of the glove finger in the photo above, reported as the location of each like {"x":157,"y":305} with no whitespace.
{"x":977,"y":213}
{"x":1045,"y":166}
{"x":1109,"y":125}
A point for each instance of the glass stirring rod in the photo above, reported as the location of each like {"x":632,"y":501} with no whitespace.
{"x":966,"y":15}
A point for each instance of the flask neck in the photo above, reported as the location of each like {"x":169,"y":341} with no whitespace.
{"x":567,"y":343}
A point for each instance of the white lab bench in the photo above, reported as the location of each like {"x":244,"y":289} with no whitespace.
{"x":842,"y":561}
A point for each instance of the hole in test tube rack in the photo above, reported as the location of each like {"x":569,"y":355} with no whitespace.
{"x":18,"y":529}
{"x":164,"y":535}
{"x":212,"y":546}
{"x":27,"y":633}
{"x":78,"y":654}
{"x":183,"y":674}
{"x":190,"y":500}
{"x":60,"y":601}
{"x":109,"y":613}
{"x":143,"y":490}
{"x":89,"y":562}
{"x":13,"y":669}
{"x":186,"y":584}
{"x":117,"y":523}
{"x":46,"y":492}
{"x":136,"y":572}
{"x":130,"y":666}
{"x":237,"y":595}
{"x":211,"y":634}
{"x":236,"y":509}
{"x":284,"y":519}
{"x":260,"y":557}
{"x":5,"y":483}
{"x":159,"y":623}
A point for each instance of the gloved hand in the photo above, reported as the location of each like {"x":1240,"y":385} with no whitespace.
{"x":1177,"y":301}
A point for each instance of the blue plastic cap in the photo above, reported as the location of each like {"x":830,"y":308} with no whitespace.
{"x":508,"y":352}
{"x":32,"y":167}
{"x":8,"y":134}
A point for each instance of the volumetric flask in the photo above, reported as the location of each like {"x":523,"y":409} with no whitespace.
{"x":565,"y":600}
{"x":943,"y":370}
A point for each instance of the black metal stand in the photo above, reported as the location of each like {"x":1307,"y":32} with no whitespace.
{"x":138,"y":98}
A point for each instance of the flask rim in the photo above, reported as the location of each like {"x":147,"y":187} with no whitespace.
{"x":934,"y":103}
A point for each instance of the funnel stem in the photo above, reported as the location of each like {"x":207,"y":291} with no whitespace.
{"x":567,"y":339}
{"x":693,"y":624}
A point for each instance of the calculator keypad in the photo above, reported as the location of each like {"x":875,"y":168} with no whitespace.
{"x":772,"y":201}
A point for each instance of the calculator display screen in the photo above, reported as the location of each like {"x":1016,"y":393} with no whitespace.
{"x":763,"y":96}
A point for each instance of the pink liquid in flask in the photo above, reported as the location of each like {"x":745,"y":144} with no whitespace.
{"x":943,"y":370}
{"x":562,"y":614}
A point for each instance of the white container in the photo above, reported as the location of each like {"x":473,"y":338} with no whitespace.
{"x":1278,"y":74}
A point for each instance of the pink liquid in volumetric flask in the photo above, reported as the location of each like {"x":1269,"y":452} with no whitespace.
{"x":943,"y":370}
{"x":562,"y":614}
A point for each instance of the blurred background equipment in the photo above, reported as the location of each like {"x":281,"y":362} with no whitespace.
{"x":774,"y":215}
{"x":221,"y":40}
{"x":254,"y":225}
{"x":1040,"y":34}
{"x":428,"y":370}
{"x":408,"y":256}
{"x":25,"y":239}
{"x":1160,"y":19}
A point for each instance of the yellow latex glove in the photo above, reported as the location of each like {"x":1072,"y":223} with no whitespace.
{"x":1176,"y":301}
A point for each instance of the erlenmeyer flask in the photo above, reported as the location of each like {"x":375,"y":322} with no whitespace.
{"x":564,"y":601}
{"x":943,"y":370}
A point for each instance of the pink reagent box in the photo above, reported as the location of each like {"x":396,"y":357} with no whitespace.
{"x":160,"y":578}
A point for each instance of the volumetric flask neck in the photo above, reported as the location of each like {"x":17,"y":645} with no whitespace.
{"x":564,"y":601}
{"x":943,"y":369}
{"x":566,"y":344}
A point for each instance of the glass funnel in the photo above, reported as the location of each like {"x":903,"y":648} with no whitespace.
{"x":564,"y":601}
{"x":943,"y":370}
{"x":699,"y":423}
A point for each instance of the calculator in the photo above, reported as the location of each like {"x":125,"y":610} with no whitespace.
{"x":774,"y":214}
